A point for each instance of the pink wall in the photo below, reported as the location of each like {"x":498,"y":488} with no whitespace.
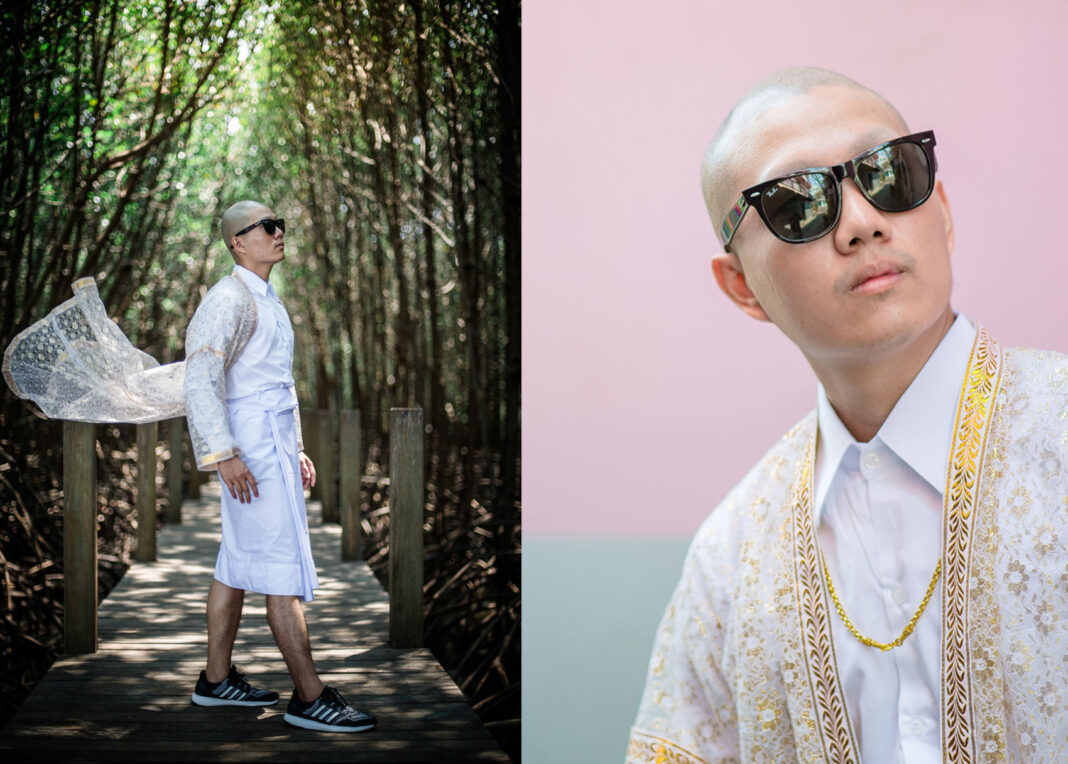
{"x":647,"y":395}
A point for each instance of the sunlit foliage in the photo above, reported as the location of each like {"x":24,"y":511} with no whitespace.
{"x":387,"y":134}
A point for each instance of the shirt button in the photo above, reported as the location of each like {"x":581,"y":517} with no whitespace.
{"x":898,"y":595}
{"x":916,"y":726}
{"x":871,"y":460}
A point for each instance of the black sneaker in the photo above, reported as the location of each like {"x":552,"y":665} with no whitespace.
{"x":231,"y":691}
{"x":327,"y":713}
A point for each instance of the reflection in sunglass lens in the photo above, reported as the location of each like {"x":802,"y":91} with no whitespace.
{"x":896,"y":178}
{"x":802,"y":206}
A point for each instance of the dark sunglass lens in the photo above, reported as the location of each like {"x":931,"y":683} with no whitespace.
{"x":801,"y":207}
{"x":268,"y":226}
{"x":896,"y":178}
{"x":281,"y":223}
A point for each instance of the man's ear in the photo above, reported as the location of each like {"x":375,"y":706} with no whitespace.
{"x":947,"y":215}
{"x":727,"y":269}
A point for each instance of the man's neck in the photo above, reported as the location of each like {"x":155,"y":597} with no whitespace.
{"x":263,"y":270}
{"x":864,"y":392}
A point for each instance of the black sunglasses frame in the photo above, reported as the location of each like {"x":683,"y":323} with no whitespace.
{"x":753,"y":196}
{"x":268,"y":226}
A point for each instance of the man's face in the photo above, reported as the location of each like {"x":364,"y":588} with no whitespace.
{"x":257,"y":246}
{"x":876,"y":281}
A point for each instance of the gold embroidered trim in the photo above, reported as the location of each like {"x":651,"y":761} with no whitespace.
{"x":207,"y":463}
{"x":978,"y":392}
{"x":649,"y":749}
{"x":206,"y":349}
{"x":836,"y":733}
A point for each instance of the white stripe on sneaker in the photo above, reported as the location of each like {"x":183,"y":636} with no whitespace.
{"x":332,"y":717}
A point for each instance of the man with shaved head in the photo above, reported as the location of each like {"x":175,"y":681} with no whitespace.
{"x":890,"y":582}
{"x":241,"y":405}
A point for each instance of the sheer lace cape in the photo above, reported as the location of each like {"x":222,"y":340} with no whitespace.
{"x":76,"y":364}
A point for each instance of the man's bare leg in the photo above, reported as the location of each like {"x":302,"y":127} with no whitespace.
{"x":224,"y":616}
{"x":286,"y":618}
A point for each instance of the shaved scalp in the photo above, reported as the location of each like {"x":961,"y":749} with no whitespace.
{"x":236,"y":218}
{"x":741,"y":126}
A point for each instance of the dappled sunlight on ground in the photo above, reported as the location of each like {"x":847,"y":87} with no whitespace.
{"x":136,"y":688}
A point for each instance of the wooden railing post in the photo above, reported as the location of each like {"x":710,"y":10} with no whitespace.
{"x":326,"y":466}
{"x":195,"y":477}
{"x":406,"y":527}
{"x":147,"y":436}
{"x":175,"y":434}
{"x":79,"y":538}
{"x":309,"y":423}
{"x":351,"y":469}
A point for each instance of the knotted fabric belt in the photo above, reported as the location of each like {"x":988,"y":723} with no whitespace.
{"x":275,"y":402}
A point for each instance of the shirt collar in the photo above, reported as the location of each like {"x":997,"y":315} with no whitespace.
{"x":919,"y":429}
{"x":254,"y":282}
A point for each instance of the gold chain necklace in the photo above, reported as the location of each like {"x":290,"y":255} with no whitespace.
{"x":884,"y":646}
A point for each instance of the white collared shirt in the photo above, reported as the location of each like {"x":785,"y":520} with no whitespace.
{"x":878,"y":511}
{"x":267,"y":360}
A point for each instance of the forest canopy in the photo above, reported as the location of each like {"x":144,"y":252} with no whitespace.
{"x":386,"y":134}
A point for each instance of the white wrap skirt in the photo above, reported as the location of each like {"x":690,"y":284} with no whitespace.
{"x":265,"y":544}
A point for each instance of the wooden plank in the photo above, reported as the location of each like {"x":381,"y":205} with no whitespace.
{"x":350,"y":467}
{"x":406,"y":527}
{"x":147,"y":437}
{"x":175,"y":435}
{"x":130,"y":700}
{"x":79,"y":538}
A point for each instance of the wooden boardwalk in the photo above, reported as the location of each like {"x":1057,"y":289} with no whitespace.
{"x":130,"y":700}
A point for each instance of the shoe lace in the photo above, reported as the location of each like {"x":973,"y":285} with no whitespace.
{"x":237,"y":679}
{"x":337,"y":703}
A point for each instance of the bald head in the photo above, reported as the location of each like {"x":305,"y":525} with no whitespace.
{"x":239,"y":216}
{"x":737,"y":136}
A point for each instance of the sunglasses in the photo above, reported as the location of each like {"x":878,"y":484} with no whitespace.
{"x":268,"y":226}
{"x":803,"y":206}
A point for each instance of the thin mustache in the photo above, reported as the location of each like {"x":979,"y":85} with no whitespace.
{"x":902,"y":261}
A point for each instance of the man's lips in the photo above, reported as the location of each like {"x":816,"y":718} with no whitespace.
{"x":876,"y":278}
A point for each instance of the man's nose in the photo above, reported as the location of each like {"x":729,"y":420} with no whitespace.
{"x":859,"y":221}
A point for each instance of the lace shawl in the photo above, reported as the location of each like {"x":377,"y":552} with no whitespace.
{"x":221,"y":327}
{"x":76,"y":364}
{"x":730,"y":679}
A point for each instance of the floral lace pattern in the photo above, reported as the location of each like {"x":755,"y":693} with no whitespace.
{"x":219,"y":331}
{"x":731,"y":676}
{"x":76,"y":364}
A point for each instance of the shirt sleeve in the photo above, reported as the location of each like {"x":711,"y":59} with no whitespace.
{"x":687,"y":713}
{"x":212,"y":332}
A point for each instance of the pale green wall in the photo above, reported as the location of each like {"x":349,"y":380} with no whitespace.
{"x":590,"y":609}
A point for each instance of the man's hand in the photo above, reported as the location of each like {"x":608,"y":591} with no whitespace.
{"x":307,"y":470}
{"x":235,"y":475}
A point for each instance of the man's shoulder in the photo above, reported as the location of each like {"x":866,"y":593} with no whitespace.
{"x":1027,"y":360}
{"x":1033,"y":396}
{"x":1037,"y":375}
{"x":228,"y":288}
{"x":765,"y":492}
{"x":228,"y":293}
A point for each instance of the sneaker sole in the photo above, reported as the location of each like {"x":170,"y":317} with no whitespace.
{"x":310,"y":724}
{"x":205,"y":700}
